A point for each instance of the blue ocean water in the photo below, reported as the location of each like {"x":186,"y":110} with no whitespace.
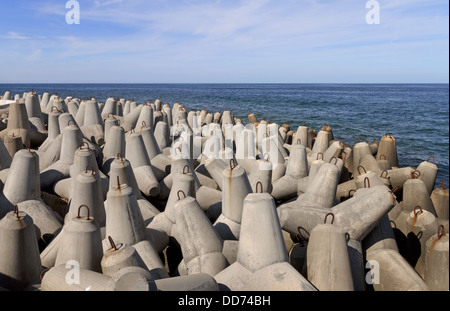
{"x":416,"y":115}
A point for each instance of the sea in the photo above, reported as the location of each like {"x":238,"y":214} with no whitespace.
{"x":416,"y":115}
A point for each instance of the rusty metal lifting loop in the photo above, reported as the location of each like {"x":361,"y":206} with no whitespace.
{"x":415,"y":174}
{"x":344,"y":157}
{"x":326,"y":217}
{"x":418,"y":213}
{"x":350,"y":192}
{"x":91,"y":168}
{"x":88,"y":211}
{"x":299,"y":141}
{"x":259,"y":183}
{"x":320,"y":153}
{"x":178,"y":148}
{"x":357,"y":140}
{"x":443,"y":185}
{"x":365,"y":172}
{"x":368,"y":182}
{"x":387,"y":174}
{"x":73,"y":121}
{"x":111,"y":241}
{"x":16,"y":211}
{"x":335,"y":160}
{"x":383,"y":156}
{"x":85,"y":144}
{"x":188,"y":169}
{"x":441,"y":232}
{"x":143,"y":124}
{"x":57,"y":110}
{"x":178,"y":194}
{"x":395,"y":189}
{"x":431,"y":157}
{"x":233,"y":164}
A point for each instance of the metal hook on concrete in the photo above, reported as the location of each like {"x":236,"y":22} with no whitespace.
{"x":368,"y":182}
{"x":320,"y":153}
{"x":431,"y":157}
{"x":415,"y":174}
{"x":111,"y":241}
{"x":365,"y":172}
{"x":85,"y":144}
{"x":259,"y":183}
{"x":16,"y":211}
{"x":233,"y":164}
{"x":335,"y":160}
{"x":441,"y":232}
{"x":178,"y":194}
{"x":188,"y":169}
{"x":87,"y":208}
{"x":326,"y":217}
{"x":73,"y":121}
{"x":418,"y":213}
{"x":381,"y":175}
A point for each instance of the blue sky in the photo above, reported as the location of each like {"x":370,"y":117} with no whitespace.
{"x":254,"y":41}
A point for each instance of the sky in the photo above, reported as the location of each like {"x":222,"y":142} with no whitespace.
{"x":224,"y":41}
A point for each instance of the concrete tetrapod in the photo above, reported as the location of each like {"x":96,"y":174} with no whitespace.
{"x":121,"y":170}
{"x":235,"y":188}
{"x":114,"y":145}
{"x":84,"y":160}
{"x":428,"y":171}
{"x":415,"y":194}
{"x":34,"y":112}
{"x":201,"y":246}
{"x":357,"y":215}
{"x":439,"y":197}
{"x":124,"y":220}
{"x":19,"y":124}
{"x":20,"y":264}
{"x":136,"y":153}
{"x":359,"y":152}
{"x":86,"y":192}
{"x":23,"y":188}
{"x":71,"y":278}
{"x":392,"y":272}
{"x":183,"y":184}
{"x":297,"y":167}
{"x":262,"y":260}
{"x":71,"y":141}
{"x":328,"y":262}
{"x":421,"y":225}
{"x":388,"y":148}
{"x":8,"y":148}
{"x":269,"y":147}
{"x":261,"y":173}
{"x":322,"y":188}
{"x":145,"y":117}
{"x":82,"y":242}
{"x":120,"y":256}
{"x":151,"y":259}
{"x":437,"y":261}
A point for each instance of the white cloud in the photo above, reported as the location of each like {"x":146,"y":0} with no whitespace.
{"x":14,"y":35}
